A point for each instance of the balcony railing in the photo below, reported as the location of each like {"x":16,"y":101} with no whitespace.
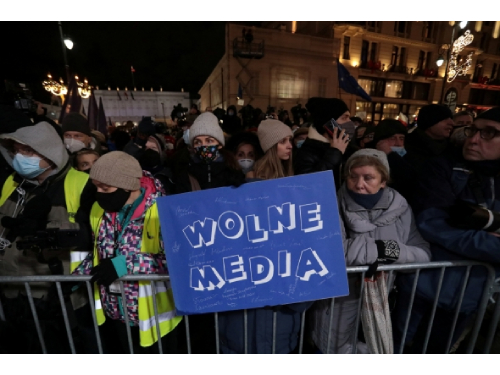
{"x":426,"y":72}
{"x":242,"y":48}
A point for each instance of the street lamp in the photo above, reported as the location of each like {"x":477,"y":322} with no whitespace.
{"x":463,"y":24}
{"x":440,"y":60}
{"x":66,"y":43}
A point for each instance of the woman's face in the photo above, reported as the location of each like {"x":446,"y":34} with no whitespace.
{"x":245,"y":151}
{"x":86,"y":161}
{"x":205,"y":140}
{"x":285,"y":148}
{"x":365,"y":180}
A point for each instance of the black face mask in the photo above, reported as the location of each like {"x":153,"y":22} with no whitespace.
{"x":113,"y":202}
{"x":86,"y":171}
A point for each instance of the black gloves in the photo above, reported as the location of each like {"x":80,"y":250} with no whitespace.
{"x":465,"y":215}
{"x":388,"y":252}
{"x":104,"y":273}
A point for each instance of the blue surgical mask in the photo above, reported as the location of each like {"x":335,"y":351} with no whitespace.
{"x":300,"y":143}
{"x":27,"y":166}
{"x":185,"y":136}
{"x":399,"y":150}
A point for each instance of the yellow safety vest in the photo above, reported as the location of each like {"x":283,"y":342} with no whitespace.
{"x":168,"y":319}
{"x":74,"y":183}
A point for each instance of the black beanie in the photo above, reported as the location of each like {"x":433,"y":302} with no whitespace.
{"x":492,"y":114}
{"x":147,"y":126}
{"x":386,"y":129}
{"x":324,"y":109}
{"x":76,"y":122}
{"x":431,"y":114}
{"x":12,"y":119}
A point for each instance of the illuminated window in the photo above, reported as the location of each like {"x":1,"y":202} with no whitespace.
{"x":390,"y":111}
{"x":394,"y":89}
{"x":253,"y":85}
{"x":289,"y":82}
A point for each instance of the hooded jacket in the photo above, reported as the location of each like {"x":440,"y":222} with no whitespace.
{"x":390,"y":219}
{"x":46,"y":142}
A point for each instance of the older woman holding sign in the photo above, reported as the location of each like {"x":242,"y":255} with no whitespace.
{"x":379,"y":229}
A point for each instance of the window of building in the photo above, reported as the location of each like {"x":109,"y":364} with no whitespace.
{"x":373,"y":52}
{"x":364,"y":111}
{"x":428,"y":29}
{"x":402,"y":58}
{"x":322,"y":87}
{"x":394,"y":89}
{"x":421,"y":59}
{"x":253,"y":85}
{"x":428,"y":60}
{"x":364,"y":53}
{"x":394,"y":57}
{"x":402,"y":28}
{"x":419,"y":91}
{"x":372,"y":86}
{"x":347,"y":42}
{"x":494,"y":71}
{"x":286,"y":86}
{"x":390,"y":111}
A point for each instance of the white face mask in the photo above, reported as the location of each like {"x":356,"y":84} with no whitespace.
{"x":185,"y":136}
{"x":73,"y":145}
{"x":246,"y":165}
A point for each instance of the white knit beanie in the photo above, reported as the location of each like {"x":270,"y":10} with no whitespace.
{"x":370,"y":152}
{"x":271,"y":132}
{"x":206,"y":124}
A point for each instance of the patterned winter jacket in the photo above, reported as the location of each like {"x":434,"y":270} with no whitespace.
{"x":130,"y":247}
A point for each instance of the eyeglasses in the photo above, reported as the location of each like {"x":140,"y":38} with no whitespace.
{"x":485,"y":133}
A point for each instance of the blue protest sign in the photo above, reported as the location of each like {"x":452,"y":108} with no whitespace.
{"x":262,"y":244}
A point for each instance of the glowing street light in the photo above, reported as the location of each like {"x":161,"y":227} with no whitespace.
{"x":463,"y":24}
{"x":440,"y":60}
{"x":68,"y":43}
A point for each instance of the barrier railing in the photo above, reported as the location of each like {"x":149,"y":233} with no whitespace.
{"x":490,"y":292}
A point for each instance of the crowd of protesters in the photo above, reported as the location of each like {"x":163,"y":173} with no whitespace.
{"x":429,"y":191}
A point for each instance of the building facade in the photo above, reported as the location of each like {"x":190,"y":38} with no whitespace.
{"x":124,"y":105}
{"x":285,"y":63}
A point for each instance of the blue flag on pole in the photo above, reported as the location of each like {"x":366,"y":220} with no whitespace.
{"x":349,"y":84}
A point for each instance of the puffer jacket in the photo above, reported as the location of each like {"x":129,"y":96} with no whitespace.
{"x":316,"y":155}
{"x":390,"y":219}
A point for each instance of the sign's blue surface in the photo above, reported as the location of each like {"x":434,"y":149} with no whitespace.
{"x":262,"y":244}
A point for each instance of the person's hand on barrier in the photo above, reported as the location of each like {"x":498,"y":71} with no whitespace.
{"x":464,"y":215}
{"x":388,"y":252}
{"x":109,"y":270}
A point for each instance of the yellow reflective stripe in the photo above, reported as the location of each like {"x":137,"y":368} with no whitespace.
{"x":76,"y":257}
{"x":74,"y":183}
{"x":8,"y":188}
{"x":147,"y":290}
{"x":145,"y":325}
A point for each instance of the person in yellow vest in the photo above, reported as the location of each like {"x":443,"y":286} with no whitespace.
{"x":127,"y":239}
{"x":43,"y":193}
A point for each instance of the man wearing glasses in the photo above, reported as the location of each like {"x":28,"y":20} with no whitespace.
{"x":458,"y":212}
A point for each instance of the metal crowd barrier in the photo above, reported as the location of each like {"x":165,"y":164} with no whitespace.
{"x":491,"y":292}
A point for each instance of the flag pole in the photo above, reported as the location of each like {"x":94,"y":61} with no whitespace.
{"x":338,"y":79}
{"x":132,"y":72}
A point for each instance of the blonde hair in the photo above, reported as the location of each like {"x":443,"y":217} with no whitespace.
{"x":270,"y":166}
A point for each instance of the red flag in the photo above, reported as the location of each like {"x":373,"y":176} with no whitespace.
{"x":132,"y":69}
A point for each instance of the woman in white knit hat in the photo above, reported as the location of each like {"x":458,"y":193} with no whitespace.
{"x":276,"y":141}
{"x":211,"y":166}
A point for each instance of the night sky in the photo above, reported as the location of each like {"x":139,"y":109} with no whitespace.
{"x":173,"y":55}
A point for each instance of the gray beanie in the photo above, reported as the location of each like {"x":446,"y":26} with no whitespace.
{"x":370,"y":152}
{"x":206,"y":124}
{"x":271,"y":132}
{"x":117,"y":169}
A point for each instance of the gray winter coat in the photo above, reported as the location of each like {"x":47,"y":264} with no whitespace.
{"x":390,"y":219}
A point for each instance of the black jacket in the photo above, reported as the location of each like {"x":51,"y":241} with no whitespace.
{"x":316,"y":156}
{"x":209,"y":176}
